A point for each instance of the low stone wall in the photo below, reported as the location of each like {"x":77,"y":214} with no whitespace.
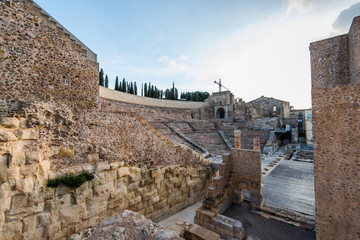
{"x":110,"y":94}
{"x":29,"y":210}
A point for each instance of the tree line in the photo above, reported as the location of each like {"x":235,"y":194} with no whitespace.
{"x":149,"y":90}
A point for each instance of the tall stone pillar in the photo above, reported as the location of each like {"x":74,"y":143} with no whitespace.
{"x":256,"y":143}
{"x":237,"y":134}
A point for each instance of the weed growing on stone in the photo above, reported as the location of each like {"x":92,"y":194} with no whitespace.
{"x":72,"y":181}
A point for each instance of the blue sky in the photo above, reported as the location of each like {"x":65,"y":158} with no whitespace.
{"x":256,"y":47}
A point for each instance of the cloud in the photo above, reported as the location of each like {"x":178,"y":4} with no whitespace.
{"x":300,"y":5}
{"x":173,"y":65}
{"x":307,"y":5}
{"x":343,"y":21}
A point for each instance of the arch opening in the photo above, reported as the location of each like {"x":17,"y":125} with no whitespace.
{"x":220,"y":113}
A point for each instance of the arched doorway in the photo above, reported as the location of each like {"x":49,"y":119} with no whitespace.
{"x":220,"y":113}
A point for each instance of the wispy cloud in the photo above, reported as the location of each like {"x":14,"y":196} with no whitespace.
{"x":307,"y":5}
{"x":173,"y":65}
{"x":343,"y":21}
{"x":300,"y":5}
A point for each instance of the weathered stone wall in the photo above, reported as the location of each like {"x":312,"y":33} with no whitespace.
{"x":146,"y":101}
{"x":150,"y":114}
{"x":135,"y":168}
{"x":264,"y":107}
{"x":247,"y":137}
{"x":336,"y":114}
{"x":39,"y":61}
{"x":246,"y":163}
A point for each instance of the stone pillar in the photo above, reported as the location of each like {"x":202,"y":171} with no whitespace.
{"x":256,"y":144}
{"x":237,"y":134}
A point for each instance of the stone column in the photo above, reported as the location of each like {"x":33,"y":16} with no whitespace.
{"x":237,"y":134}
{"x":256,"y":144}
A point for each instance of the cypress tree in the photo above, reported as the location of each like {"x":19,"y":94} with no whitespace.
{"x":135,"y":88}
{"x":145,"y":90}
{"x":131,"y":88}
{"x":116,"y":83}
{"x":149,"y":90}
{"x":142,"y":89}
{"x":101,"y":77}
{"x":106,"y":81}
{"x":123,"y":89}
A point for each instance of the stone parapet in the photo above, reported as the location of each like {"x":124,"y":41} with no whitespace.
{"x":110,"y":94}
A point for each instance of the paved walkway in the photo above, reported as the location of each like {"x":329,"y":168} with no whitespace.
{"x":187,"y":214}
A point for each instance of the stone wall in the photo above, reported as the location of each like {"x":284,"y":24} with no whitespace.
{"x":247,"y":137}
{"x":150,"y":114}
{"x":336,"y":104}
{"x":145,"y":101}
{"x":135,"y":167}
{"x":239,"y":170}
{"x":39,"y":61}
{"x":246,"y":163}
{"x":269,"y":107}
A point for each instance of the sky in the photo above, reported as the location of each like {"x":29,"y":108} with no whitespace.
{"x":257,"y":48}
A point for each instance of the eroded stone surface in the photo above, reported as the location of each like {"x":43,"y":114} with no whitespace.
{"x":127,"y":225}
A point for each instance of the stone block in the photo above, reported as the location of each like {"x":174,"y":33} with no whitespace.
{"x":239,"y":231}
{"x":104,"y":189}
{"x":17,"y":159}
{"x":5,"y":197}
{"x":108,"y":176}
{"x":44,"y":168}
{"x":29,"y":134}
{"x":25,"y":185}
{"x":132,"y":187}
{"x":102,"y":166}
{"x":93,"y":158}
{"x":71,"y":214}
{"x":134,"y":177}
{"x":11,"y":230}
{"x":135,"y":200}
{"x":7,"y":122}
{"x":23,"y":122}
{"x":154,"y":172}
{"x":96,"y":206}
{"x":115,"y":165}
{"x":196,"y":232}
{"x":205,"y":214}
{"x":30,"y":223}
{"x":5,"y":147}
{"x":29,"y":170}
{"x":123,"y":172}
{"x":19,"y":204}
{"x":7,"y":136}
{"x":3,"y":167}
{"x":52,"y":229}
{"x":120,"y":187}
{"x":67,"y":152}
{"x":44,"y":219}
{"x":219,"y":223}
{"x":33,"y":157}
{"x":34,"y":234}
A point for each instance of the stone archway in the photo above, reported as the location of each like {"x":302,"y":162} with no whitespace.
{"x":220,"y":113}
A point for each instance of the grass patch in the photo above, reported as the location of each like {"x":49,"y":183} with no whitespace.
{"x":72,"y":181}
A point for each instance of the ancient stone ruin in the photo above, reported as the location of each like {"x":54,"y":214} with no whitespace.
{"x":151,"y":156}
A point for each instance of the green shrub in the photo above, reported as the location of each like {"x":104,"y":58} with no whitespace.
{"x":72,"y":181}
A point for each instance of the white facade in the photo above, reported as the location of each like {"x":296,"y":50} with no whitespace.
{"x":308,"y":127}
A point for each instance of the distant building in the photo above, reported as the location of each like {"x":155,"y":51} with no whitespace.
{"x":308,"y":127}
